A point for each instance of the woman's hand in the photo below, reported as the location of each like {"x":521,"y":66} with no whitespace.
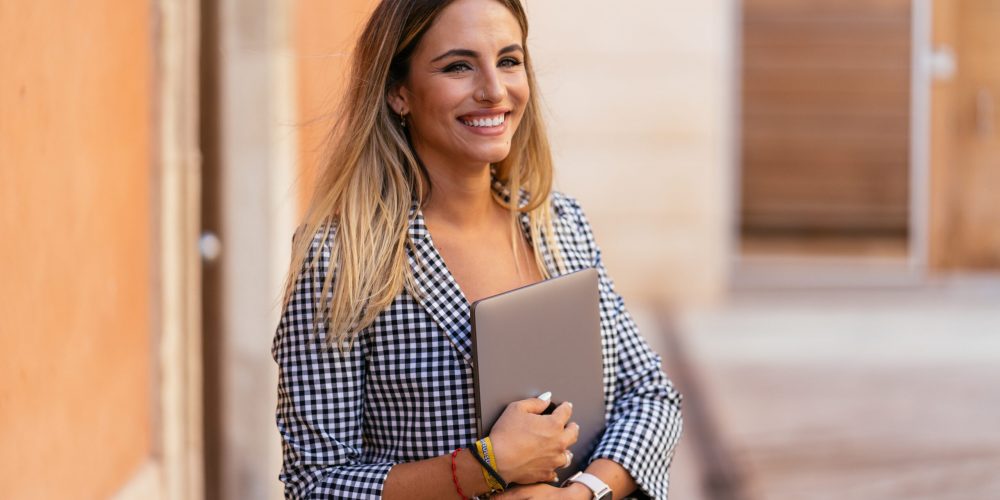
{"x":542,"y":491}
{"x":529,"y":447}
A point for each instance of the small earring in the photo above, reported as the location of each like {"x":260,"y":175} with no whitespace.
{"x":402,"y":121}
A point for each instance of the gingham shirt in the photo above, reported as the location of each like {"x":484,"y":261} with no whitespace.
{"x":405,"y":391}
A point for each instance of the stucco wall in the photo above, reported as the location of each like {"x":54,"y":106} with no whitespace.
{"x":75,"y":243}
{"x":324,"y":34}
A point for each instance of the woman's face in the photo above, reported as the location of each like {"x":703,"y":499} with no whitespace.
{"x":467,"y":87}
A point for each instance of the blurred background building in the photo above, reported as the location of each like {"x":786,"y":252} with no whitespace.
{"x":797,"y":198}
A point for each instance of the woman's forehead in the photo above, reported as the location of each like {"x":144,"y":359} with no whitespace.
{"x":471,"y":24}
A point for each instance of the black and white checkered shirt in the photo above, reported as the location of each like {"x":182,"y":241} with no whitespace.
{"x":405,"y":393}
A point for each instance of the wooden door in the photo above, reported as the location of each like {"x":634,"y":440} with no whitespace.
{"x":966,"y":140}
{"x":826,"y":117}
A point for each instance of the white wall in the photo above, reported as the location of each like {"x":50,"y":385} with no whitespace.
{"x":641,"y":102}
{"x":257,"y":168}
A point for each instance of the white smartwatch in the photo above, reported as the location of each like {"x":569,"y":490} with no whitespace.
{"x":600,"y":490}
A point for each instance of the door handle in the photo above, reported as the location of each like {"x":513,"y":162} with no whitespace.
{"x":209,"y":246}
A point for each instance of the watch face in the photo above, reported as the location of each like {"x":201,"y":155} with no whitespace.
{"x":606,"y":496}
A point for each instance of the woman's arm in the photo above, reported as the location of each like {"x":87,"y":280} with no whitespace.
{"x":529,"y":448}
{"x":614,"y":475}
{"x":432,"y":479}
{"x":645,"y":421}
{"x":320,"y":401}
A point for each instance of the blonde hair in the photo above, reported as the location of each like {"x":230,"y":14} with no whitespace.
{"x":371,"y":177}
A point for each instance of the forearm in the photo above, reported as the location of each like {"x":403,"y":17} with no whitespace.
{"x":432,"y":478}
{"x":613,"y":475}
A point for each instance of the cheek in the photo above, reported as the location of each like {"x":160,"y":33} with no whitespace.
{"x":519,"y":88}
{"x":443,"y":100}
{"x":519,"y":93}
{"x":521,"y":102}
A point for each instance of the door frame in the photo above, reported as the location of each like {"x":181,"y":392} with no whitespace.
{"x":920,"y":135}
{"x":175,"y":470}
{"x":250,"y":202}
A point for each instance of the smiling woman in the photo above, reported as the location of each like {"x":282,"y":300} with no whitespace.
{"x":437,"y":192}
{"x":463,"y":97}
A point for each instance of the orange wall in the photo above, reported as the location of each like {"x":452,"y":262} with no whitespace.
{"x":75,"y":114}
{"x":324,"y":36}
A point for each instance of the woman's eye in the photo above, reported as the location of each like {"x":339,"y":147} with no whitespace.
{"x":510,"y":62}
{"x":457,"y":68}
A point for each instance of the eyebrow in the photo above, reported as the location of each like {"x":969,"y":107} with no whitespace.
{"x":472,"y":53}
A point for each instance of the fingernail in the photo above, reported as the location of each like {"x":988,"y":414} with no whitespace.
{"x":545,"y":396}
{"x":570,"y":404}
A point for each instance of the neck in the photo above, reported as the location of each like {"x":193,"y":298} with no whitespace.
{"x":463,"y":200}
{"x":461,"y":196}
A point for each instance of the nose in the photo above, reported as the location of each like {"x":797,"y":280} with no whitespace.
{"x":491,"y":87}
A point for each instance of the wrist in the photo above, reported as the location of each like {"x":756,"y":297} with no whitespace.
{"x":501,"y":462}
{"x":482,"y":451}
{"x":471,"y":475}
{"x":578,"y":491}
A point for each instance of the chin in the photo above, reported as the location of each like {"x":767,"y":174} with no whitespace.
{"x":494,"y":155}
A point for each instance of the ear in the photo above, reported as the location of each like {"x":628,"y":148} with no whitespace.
{"x":398,"y":100}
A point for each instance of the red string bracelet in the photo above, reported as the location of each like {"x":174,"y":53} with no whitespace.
{"x":454,"y":473}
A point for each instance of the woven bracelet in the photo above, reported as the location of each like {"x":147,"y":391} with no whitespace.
{"x":489,"y":468}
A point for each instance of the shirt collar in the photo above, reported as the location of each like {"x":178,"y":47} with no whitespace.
{"x":440,"y":295}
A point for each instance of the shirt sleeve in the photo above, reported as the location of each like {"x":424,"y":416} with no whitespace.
{"x":645,"y":420}
{"x":320,"y":402}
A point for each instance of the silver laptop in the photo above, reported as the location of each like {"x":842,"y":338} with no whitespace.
{"x":542,"y":337}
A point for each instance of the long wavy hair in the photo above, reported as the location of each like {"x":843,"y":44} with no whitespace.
{"x":371,"y":177}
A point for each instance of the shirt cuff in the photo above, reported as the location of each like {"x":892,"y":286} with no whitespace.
{"x":362,"y":481}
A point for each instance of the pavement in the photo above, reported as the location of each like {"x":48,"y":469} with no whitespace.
{"x":875,"y":393}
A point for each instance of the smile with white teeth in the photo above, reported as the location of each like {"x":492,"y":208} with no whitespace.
{"x":495,"y":121}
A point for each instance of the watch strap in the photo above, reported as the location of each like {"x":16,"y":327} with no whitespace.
{"x":600,"y":490}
